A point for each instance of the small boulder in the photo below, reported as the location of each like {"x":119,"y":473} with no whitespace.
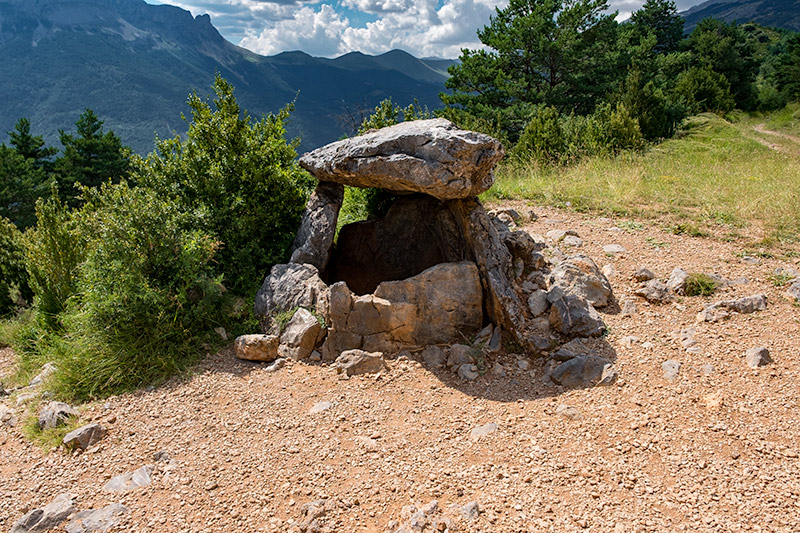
{"x":468,"y":372}
{"x":55,"y":414}
{"x":48,"y":517}
{"x":355,"y":362}
{"x":655,"y":291}
{"x":671,"y":369}
{"x":757,"y":357}
{"x":793,"y":292}
{"x":97,"y":520}
{"x":459,"y":354}
{"x":300,"y":337}
{"x":257,"y":347}
{"x":574,"y":316}
{"x":579,"y":276}
{"x":614,"y":249}
{"x":84,"y":436}
{"x":677,"y":280}
{"x":643,"y":274}
{"x":130,"y":480}
{"x":433,"y":356}
{"x":580,"y":371}
{"x":537,"y":302}
{"x":47,"y":370}
{"x":7,"y":416}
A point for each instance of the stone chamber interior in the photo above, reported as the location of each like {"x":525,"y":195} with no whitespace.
{"x":418,"y":232}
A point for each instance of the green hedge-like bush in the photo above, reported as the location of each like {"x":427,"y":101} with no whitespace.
{"x":13,"y":277}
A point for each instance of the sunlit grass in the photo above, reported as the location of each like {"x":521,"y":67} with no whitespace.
{"x":714,"y":173}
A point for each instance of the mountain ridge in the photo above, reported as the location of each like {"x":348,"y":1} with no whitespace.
{"x":136,"y":63}
{"x":782,"y":14}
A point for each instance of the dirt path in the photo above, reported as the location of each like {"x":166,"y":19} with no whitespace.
{"x":793,"y":146}
{"x":715,"y":449}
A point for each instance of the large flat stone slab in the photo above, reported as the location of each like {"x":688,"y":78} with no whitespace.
{"x":434,"y":157}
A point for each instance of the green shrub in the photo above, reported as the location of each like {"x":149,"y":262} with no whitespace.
{"x":145,"y":298}
{"x":704,"y":90}
{"x":700,"y":285}
{"x":543,"y":137}
{"x":240,"y":179}
{"x":14,"y":288}
{"x":55,"y":249}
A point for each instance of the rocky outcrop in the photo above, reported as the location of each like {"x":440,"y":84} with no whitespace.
{"x":428,"y":156}
{"x":288,"y":287}
{"x":437,"y":306}
{"x":314,"y":240}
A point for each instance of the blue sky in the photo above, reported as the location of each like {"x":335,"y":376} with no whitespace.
{"x":425,"y":28}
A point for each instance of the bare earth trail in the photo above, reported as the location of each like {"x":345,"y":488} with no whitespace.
{"x":788,"y":144}
{"x":716,"y":449}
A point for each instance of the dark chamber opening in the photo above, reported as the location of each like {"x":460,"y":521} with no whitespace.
{"x":417,"y":233}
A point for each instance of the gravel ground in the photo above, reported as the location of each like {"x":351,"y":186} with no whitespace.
{"x":715,"y":449}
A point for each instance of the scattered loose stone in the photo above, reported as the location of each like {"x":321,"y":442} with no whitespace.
{"x":643,"y":274}
{"x":609,"y":271}
{"x":459,"y":354}
{"x":750,"y":260}
{"x":482,"y":431}
{"x":97,"y":519}
{"x":537,"y":302}
{"x":48,"y":517}
{"x":499,"y":370}
{"x":569,"y":412}
{"x":47,"y":370}
{"x":614,"y":249}
{"x":720,"y":310}
{"x":571,"y":315}
{"x":279,"y":363}
{"x":470,"y":511}
{"x":130,"y":480}
{"x":609,"y":376}
{"x":581,"y":371}
{"x":221,"y":332}
{"x":356,"y":362}
{"x":573,"y":348}
{"x":84,"y":436}
{"x":629,"y":308}
{"x":572,"y":240}
{"x":671,"y":368}
{"x":655,"y":291}
{"x":579,"y":276}
{"x":257,"y":347}
{"x":793,"y":292}
{"x":677,"y":280}
{"x":433,"y":356}
{"x":629,"y":341}
{"x":55,"y":414}
{"x":468,"y":372}
{"x":319,"y":407}
{"x":301,"y":335}
{"x":523,"y":364}
{"x":7,"y":416}
{"x":757,"y":357}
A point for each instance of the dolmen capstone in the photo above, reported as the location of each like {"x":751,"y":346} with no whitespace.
{"x":434,"y":270}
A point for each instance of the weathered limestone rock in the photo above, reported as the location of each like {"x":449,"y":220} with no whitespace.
{"x":256,"y":347}
{"x":677,"y":280}
{"x":55,"y":414}
{"x":47,"y":370}
{"x":84,"y":436}
{"x":48,"y":517}
{"x":757,"y":357}
{"x":288,"y":287}
{"x":437,"y":306}
{"x":494,"y":261}
{"x":578,"y":275}
{"x":429,"y":156}
{"x":355,"y":362}
{"x":643,"y":274}
{"x":314,"y":240}
{"x":433,"y":356}
{"x":417,"y":233}
{"x":7,"y":416}
{"x":745,"y":305}
{"x":573,"y":316}
{"x":537,"y":302}
{"x":580,"y":371}
{"x":655,"y":291}
{"x":92,"y":520}
{"x":130,"y":480}
{"x":300,"y":337}
{"x":793,"y":292}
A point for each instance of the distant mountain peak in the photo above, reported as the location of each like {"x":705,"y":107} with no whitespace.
{"x":784,"y":14}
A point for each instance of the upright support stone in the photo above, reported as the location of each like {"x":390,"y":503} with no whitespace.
{"x":314,"y":240}
{"x":495,"y":265}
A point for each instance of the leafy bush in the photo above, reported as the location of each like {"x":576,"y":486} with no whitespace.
{"x":240,"y":179}
{"x":13,"y":276}
{"x":388,"y":114}
{"x":145,"y":294}
{"x":543,"y":137}
{"x":55,"y":249}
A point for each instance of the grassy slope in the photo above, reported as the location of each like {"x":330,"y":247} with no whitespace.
{"x":718,"y":174}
